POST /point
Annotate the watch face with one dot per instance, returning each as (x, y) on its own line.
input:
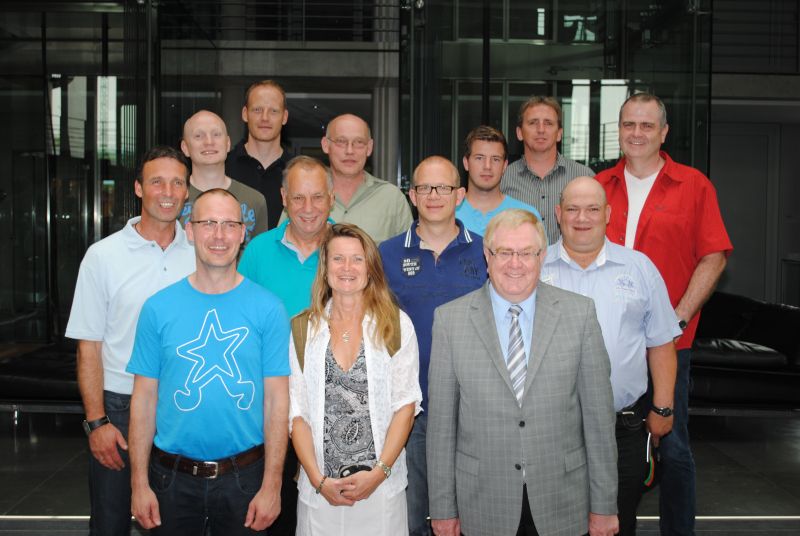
(87, 428)
(664, 412)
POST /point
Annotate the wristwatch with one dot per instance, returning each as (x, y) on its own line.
(682, 324)
(664, 412)
(91, 426)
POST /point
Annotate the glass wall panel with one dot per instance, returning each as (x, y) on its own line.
(73, 99)
(589, 54)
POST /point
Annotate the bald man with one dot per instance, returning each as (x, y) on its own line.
(377, 206)
(433, 262)
(638, 325)
(206, 143)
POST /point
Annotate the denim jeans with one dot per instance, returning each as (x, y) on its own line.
(195, 506)
(677, 493)
(110, 490)
(417, 493)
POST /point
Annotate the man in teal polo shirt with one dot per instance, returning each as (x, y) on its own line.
(284, 260)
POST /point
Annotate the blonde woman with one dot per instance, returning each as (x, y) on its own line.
(354, 397)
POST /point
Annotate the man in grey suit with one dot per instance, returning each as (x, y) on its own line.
(520, 394)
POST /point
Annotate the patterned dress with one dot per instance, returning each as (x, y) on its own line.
(348, 446)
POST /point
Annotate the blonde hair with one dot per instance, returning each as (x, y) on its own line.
(513, 218)
(379, 302)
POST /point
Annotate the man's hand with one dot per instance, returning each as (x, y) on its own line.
(364, 483)
(658, 426)
(263, 509)
(602, 525)
(103, 443)
(446, 527)
(144, 507)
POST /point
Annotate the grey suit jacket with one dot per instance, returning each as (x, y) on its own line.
(479, 439)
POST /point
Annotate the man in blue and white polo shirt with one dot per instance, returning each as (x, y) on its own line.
(434, 262)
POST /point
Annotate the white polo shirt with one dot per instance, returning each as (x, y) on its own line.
(116, 276)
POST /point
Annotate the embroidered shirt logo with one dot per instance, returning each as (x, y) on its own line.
(212, 357)
(625, 283)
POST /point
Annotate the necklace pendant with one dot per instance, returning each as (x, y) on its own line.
(346, 336)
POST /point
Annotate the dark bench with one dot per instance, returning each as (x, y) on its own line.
(43, 380)
(746, 357)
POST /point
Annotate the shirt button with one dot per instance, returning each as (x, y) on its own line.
(517, 466)
(165, 268)
(621, 238)
(260, 168)
(522, 424)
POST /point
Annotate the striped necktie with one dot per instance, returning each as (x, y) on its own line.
(516, 353)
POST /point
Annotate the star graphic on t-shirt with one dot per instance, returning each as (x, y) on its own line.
(212, 357)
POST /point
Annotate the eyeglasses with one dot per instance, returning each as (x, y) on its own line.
(441, 189)
(342, 143)
(228, 226)
(505, 255)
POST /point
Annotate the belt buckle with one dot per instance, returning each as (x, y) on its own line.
(213, 475)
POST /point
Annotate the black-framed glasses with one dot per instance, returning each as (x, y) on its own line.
(228, 226)
(441, 189)
(524, 255)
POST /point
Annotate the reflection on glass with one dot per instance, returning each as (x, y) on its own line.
(106, 113)
(54, 141)
(530, 20)
(76, 116)
(612, 94)
(575, 141)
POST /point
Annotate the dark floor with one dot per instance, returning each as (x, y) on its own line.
(748, 469)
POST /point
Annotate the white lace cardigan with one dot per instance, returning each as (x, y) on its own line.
(393, 382)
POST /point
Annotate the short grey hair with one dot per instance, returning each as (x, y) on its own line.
(646, 97)
(307, 163)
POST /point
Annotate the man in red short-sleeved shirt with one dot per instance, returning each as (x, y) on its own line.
(669, 212)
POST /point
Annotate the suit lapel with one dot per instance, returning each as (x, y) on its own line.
(482, 319)
(545, 321)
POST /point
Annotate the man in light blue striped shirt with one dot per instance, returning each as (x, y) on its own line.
(539, 176)
(638, 325)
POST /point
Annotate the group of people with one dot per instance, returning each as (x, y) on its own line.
(305, 357)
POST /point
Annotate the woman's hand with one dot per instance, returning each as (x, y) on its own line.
(336, 491)
(363, 483)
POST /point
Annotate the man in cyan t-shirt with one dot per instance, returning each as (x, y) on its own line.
(209, 414)
(485, 160)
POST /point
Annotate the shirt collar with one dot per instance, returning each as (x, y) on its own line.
(413, 239)
(499, 303)
(135, 241)
(607, 254)
(669, 171)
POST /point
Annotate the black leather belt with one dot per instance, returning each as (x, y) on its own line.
(204, 469)
(634, 409)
